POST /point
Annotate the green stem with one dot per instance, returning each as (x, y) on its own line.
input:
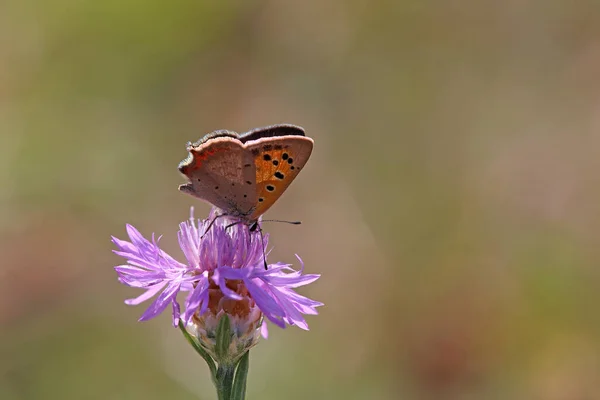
(241, 376)
(229, 379)
(225, 374)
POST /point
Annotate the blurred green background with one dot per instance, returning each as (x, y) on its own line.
(451, 203)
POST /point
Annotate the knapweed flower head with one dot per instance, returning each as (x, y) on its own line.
(223, 274)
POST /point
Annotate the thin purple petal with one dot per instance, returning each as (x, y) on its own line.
(176, 312)
(222, 283)
(264, 330)
(161, 302)
(197, 297)
(148, 294)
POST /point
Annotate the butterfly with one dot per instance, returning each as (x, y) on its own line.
(245, 174)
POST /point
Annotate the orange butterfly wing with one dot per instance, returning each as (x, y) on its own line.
(278, 161)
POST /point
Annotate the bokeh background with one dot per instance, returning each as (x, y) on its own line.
(451, 203)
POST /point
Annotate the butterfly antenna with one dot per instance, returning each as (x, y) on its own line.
(286, 222)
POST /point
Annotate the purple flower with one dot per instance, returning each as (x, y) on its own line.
(224, 274)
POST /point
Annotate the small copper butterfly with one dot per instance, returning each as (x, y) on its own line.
(245, 174)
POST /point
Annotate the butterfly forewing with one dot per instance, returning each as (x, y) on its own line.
(278, 161)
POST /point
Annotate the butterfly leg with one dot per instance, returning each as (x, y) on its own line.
(253, 228)
(211, 224)
(233, 224)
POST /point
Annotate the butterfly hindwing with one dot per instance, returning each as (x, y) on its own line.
(221, 172)
(278, 161)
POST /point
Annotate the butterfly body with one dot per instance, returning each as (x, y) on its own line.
(245, 174)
